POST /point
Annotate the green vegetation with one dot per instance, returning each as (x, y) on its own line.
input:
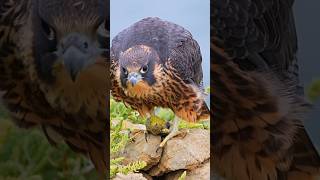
(119, 137)
(183, 176)
(120, 115)
(207, 90)
(314, 90)
(26, 154)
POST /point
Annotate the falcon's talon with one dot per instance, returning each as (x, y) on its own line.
(168, 125)
(159, 148)
(168, 137)
(146, 135)
(174, 130)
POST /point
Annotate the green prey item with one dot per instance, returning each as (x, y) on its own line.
(157, 126)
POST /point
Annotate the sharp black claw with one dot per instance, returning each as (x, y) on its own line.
(146, 136)
(159, 148)
(168, 125)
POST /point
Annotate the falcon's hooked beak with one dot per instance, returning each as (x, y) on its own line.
(134, 78)
(77, 53)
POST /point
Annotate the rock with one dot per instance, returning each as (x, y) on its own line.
(147, 176)
(131, 176)
(186, 152)
(140, 150)
(200, 173)
(175, 175)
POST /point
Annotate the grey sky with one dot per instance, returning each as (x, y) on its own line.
(194, 15)
(308, 28)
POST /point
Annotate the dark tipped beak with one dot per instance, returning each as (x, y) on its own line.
(78, 52)
(73, 61)
(134, 78)
(73, 75)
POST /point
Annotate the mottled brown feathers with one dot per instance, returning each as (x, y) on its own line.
(169, 91)
(76, 111)
(257, 102)
(175, 67)
(254, 126)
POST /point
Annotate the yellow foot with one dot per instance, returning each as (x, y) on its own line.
(168, 137)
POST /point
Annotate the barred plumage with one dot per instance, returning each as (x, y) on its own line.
(258, 104)
(156, 63)
(48, 77)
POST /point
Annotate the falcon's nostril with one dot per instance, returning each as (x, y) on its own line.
(86, 45)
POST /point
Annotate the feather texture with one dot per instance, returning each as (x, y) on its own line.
(75, 111)
(258, 105)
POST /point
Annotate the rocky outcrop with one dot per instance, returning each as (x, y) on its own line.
(140, 150)
(186, 152)
(189, 151)
(200, 173)
(132, 176)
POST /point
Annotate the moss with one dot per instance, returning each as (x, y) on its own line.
(119, 138)
(313, 90)
(183, 176)
(26, 154)
(120, 114)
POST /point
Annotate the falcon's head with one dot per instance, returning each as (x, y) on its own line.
(69, 36)
(139, 68)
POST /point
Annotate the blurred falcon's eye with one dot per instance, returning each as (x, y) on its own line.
(48, 30)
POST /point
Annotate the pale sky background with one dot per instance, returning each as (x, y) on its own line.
(194, 15)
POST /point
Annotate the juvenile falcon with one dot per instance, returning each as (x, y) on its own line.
(156, 63)
(53, 56)
(258, 105)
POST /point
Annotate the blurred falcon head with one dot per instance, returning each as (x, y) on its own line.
(69, 36)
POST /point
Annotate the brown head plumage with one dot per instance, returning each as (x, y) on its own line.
(70, 36)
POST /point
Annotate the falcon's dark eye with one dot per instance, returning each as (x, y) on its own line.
(124, 70)
(48, 30)
(144, 69)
